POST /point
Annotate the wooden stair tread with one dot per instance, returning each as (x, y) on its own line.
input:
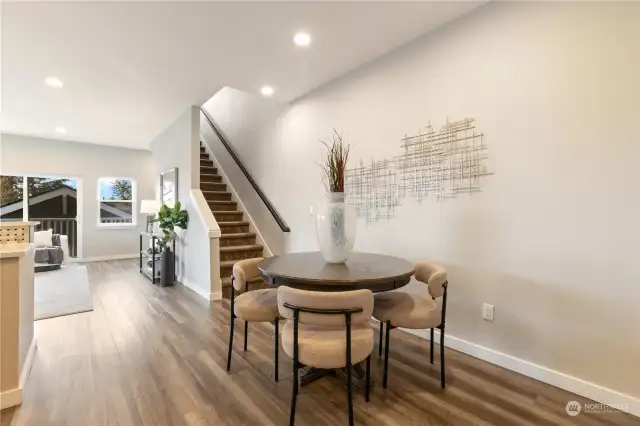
(232, 223)
(225, 212)
(227, 263)
(238, 235)
(251, 247)
(221, 202)
(218, 185)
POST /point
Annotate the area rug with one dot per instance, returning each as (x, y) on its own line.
(62, 292)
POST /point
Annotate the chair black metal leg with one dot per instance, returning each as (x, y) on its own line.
(380, 339)
(442, 357)
(386, 355)
(367, 384)
(294, 389)
(277, 348)
(230, 341)
(431, 347)
(349, 394)
(294, 395)
(349, 368)
(246, 334)
(231, 325)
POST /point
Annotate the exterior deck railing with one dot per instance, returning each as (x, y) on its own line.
(65, 226)
(62, 226)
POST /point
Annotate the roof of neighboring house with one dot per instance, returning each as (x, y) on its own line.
(56, 192)
(40, 191)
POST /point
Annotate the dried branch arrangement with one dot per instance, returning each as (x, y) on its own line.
(334, 162)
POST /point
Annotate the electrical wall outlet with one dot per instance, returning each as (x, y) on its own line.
(487, 312)
(311, 210)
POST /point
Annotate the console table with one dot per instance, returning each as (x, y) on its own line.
(153, 256)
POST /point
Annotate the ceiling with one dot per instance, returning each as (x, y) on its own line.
(130, 68)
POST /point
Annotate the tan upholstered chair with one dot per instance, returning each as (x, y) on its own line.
(256, 305)
(399, 309)
(327, 330)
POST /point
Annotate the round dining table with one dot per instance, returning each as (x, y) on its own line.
(309, 271)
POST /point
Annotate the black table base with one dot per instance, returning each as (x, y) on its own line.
(309, 375)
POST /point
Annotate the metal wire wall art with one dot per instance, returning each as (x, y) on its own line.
(441, 163)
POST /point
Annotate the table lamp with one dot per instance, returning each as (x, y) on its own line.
(150, 207)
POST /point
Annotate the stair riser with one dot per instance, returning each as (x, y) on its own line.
(211, 178)
(240, 255)
(217, 197)
(211, 186)
(226, 271)
(210, 170)
(234, 229)
(232, 207)
(244, 241)
(206, 163)
(228, 217)
(222, 196)
(204, 155)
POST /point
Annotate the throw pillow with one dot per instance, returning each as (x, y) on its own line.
(43, 238)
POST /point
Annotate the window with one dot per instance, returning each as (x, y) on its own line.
(11, 195)
(50, 201)
(116, 201)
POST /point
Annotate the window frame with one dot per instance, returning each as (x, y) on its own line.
(134, 206)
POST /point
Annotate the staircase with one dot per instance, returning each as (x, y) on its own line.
(237, 242)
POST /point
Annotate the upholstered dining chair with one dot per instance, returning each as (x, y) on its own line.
(399, 309)
(256, 305)
(327, 330)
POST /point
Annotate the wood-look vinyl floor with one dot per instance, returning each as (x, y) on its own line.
(156, 356)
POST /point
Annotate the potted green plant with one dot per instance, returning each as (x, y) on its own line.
(168, 219)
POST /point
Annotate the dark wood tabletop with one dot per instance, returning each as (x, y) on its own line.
(309, 271)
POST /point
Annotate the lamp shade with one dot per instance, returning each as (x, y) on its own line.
(150, 206)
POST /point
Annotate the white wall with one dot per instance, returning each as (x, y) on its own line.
(86, 163)
(179, 146)
(552, 240)
(257, 121)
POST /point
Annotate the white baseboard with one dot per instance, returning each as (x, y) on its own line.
(14, 397)
(28, 362)
(10, 398)
(563, 381)
(199, 291)
(217, 295)
(102, 258)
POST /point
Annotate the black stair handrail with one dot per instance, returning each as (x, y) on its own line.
(250, 178)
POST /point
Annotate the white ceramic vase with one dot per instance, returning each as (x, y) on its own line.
(336, 224)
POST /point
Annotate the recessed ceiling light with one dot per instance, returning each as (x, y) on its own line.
(302, 39)
(61, 129)
(266, 90)
(54, 82)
